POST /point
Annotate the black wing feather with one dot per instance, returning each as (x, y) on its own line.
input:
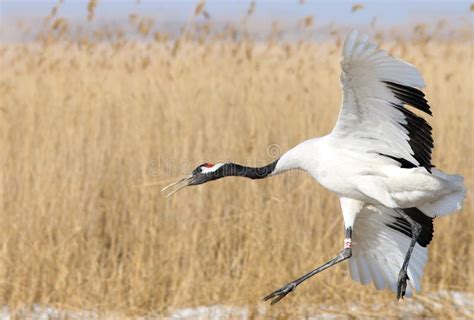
(419, 131)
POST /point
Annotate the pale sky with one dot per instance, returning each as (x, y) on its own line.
(389, 13)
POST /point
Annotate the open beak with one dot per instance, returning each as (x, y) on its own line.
(176, 186)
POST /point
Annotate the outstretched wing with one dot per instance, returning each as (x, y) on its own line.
(373, 116)
(379, 244)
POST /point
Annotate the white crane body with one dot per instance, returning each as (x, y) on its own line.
(369, 177)
(377, 160)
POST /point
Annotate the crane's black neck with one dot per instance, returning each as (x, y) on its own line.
(237, 170)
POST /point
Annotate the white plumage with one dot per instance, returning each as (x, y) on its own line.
(361, 161)
(367, 118)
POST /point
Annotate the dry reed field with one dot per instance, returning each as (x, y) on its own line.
(87, 128)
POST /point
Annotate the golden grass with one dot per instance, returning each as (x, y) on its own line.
(84, 127)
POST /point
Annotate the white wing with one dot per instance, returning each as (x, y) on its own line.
(373, 118)
(379, 246)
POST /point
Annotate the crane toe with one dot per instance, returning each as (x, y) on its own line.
(402, 284)
(279, 294)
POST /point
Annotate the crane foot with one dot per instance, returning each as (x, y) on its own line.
(402, 283)
(279, 294)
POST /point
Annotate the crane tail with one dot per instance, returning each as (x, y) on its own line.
(450, 202)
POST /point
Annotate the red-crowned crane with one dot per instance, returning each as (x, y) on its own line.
(377, 159)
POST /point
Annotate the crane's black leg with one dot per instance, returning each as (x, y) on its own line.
(403, 275)
(344, 254)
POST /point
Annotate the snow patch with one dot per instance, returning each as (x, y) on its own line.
(462, 302)
(210, 313)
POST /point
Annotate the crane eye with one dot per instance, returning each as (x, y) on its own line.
(201, 167)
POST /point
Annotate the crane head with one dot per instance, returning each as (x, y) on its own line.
(203, 173)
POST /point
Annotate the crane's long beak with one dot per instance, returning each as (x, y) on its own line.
(176, 186)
